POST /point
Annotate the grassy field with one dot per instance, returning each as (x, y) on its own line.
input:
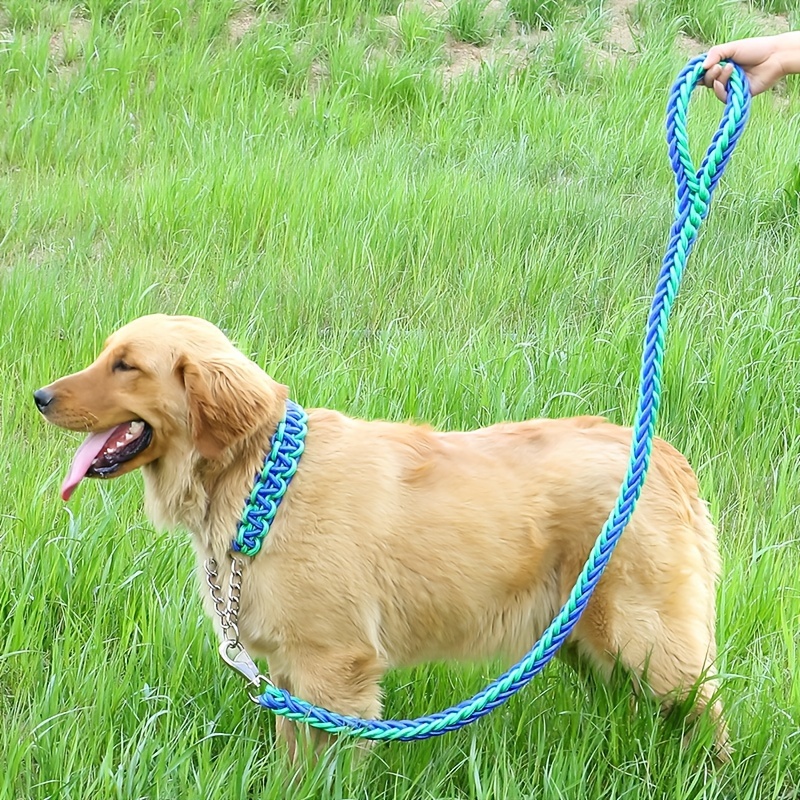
(452, 213)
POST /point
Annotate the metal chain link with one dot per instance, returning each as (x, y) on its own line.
(231, 650)
(228, 613)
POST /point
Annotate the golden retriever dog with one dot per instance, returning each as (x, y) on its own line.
(397, 544)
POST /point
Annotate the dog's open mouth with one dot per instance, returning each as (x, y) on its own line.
(102, 454)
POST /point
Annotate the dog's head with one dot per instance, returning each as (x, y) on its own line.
(160, 384)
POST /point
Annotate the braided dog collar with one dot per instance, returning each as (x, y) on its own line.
(286, 447)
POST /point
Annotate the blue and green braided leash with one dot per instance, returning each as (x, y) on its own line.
(692, 200)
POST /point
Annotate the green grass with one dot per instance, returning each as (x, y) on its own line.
(711, 20)
(392, 246)
(467, 23)
(538, 13)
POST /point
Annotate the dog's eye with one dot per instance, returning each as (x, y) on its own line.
(123, 366)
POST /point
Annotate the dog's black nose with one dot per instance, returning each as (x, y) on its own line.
(43, 398)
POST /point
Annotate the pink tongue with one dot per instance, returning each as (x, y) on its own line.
(87, 452)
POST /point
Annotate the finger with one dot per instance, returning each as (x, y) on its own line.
(713, 57)
(716, 54)
(720, 91)
(712, 75)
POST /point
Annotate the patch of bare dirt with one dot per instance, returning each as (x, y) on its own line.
(318, 74)
(690, 46)
(77, 31)
(620, 35)
(39, 254)
(436, 8)
(495, 9)
(241, 23)
(527, 41)
(771, 23)
(389, 21)
(467, 59)
(463, 58)
(68, 47)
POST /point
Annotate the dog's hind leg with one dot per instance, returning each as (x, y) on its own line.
(672, 655)
(675, 678)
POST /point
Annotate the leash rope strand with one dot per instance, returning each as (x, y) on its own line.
(692, 201)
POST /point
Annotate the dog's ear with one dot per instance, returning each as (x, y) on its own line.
(228, 397)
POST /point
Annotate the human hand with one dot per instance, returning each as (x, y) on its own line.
(765, 60)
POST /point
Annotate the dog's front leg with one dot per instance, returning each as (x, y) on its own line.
(344, 681)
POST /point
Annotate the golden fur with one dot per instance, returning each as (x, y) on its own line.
(397, 544)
